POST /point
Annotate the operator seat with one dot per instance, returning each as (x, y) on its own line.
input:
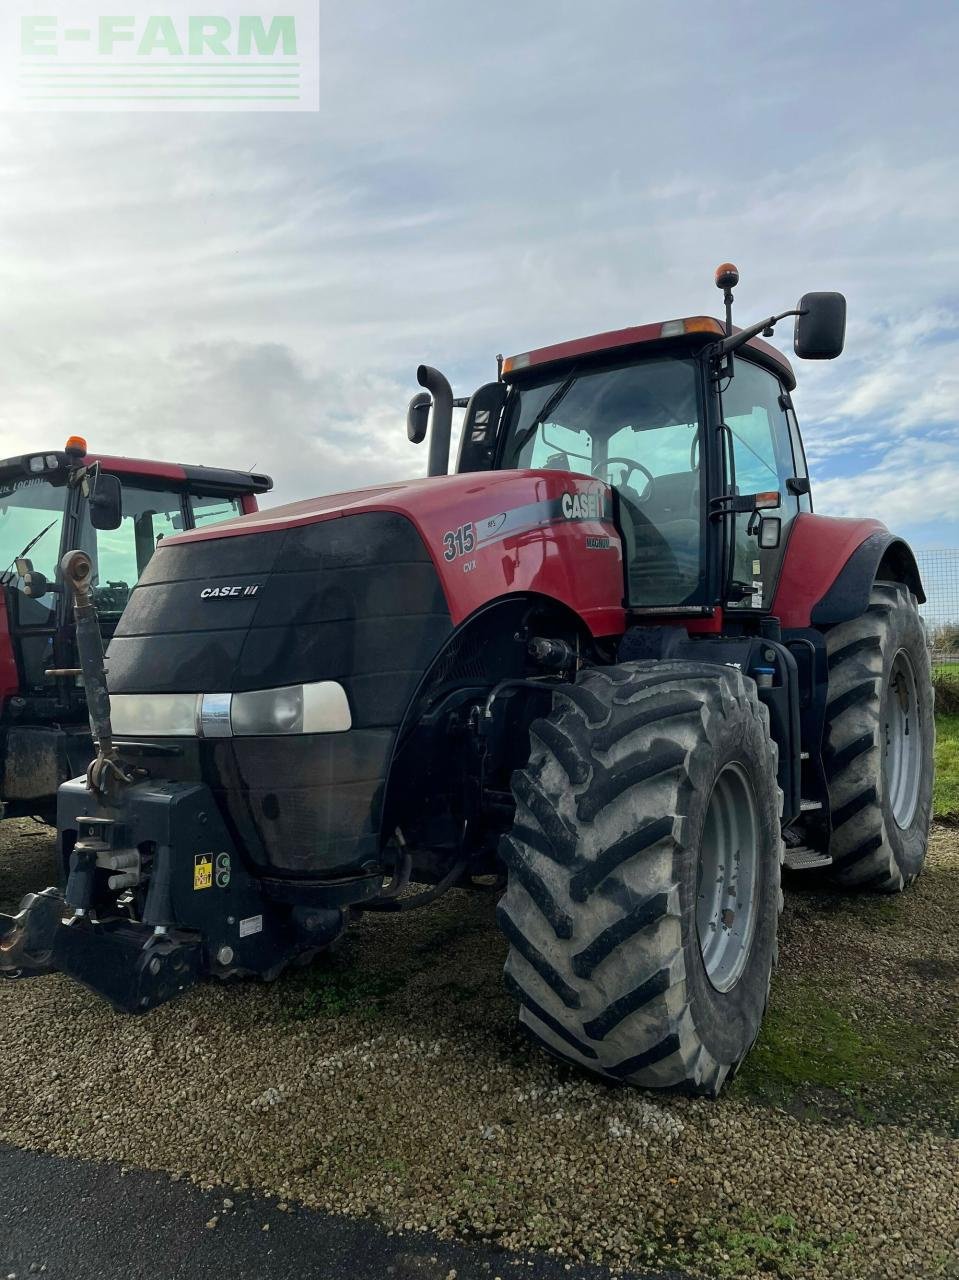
(662, 534)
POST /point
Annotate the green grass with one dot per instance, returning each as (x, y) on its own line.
(945, 794)
(775, 1245)
(823, 1054)
(333, 991)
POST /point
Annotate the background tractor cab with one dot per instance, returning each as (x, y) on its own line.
(117, 510)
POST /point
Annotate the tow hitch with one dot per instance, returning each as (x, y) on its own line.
(127, 963)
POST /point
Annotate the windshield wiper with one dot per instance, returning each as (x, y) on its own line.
(28, 548)
(548, 406)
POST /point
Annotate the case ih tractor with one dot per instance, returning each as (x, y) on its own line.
(117, 509)
(615, 663)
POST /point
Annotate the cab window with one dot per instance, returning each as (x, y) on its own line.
(208, 509)
(636, 427)
(120, 555)
(759, 459)
(31, 520)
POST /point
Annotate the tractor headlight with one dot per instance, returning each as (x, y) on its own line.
(321, 707)
(267, 711)
(154, 715)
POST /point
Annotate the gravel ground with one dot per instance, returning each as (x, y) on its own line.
(392, 1081)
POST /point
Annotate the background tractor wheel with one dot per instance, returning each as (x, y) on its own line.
(879, 738)
(643, 891)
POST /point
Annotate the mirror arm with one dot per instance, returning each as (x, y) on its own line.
(737, 340)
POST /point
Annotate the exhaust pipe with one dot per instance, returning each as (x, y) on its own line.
(441, 429)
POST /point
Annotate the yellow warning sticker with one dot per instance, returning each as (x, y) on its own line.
(203, 871)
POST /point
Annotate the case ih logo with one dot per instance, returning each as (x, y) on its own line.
(229, 593)
(582, 506)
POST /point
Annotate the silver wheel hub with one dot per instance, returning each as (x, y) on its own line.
(902, 761)
(727, 879)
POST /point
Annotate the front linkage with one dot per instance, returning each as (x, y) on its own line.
(187, 904)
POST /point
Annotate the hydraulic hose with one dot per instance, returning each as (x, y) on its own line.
(455, 873)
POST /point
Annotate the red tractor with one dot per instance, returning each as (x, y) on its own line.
(117, 509)
(614, 665)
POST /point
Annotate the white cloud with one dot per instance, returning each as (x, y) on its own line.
(916, 482)
(231, 290)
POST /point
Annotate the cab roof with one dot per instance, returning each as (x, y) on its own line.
(49, 463)
(701, 329)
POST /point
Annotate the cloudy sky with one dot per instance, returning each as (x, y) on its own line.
(256, 290)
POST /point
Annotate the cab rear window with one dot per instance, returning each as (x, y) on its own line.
(209, 509)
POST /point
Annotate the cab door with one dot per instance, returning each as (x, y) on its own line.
(758, 458)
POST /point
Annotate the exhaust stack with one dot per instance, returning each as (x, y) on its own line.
(442, 425)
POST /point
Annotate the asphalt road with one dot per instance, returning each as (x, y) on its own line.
(80, 1220)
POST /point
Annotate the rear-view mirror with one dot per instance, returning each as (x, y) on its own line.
(418, 417)
(820, 326)
(106, 502)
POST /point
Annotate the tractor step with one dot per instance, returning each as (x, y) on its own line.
(809, 806)
(799, 858)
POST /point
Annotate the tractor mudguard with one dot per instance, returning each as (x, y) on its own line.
(848, 597)
(829, 566)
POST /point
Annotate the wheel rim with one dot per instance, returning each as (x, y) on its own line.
(902, 754)
(727, 879)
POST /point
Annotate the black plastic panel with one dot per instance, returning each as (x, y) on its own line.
(354, 599)
(213, 557)
(178, 663)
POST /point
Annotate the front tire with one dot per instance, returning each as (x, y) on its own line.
(879, 740)
(643, 892)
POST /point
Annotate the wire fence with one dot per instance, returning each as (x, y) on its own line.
(940, 578)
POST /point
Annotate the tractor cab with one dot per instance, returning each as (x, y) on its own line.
(117, 510)
(638, 424)
(699, 446)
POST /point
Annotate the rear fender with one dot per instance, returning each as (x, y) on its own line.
(830, 565)
(882, 556)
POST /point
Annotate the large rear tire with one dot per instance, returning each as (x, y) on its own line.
(643, 893)
(879, 740)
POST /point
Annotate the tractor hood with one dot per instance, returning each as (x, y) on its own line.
(360, 591)
(405, 496)
(488, 534)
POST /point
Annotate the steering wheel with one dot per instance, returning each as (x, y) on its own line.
(630, 466)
